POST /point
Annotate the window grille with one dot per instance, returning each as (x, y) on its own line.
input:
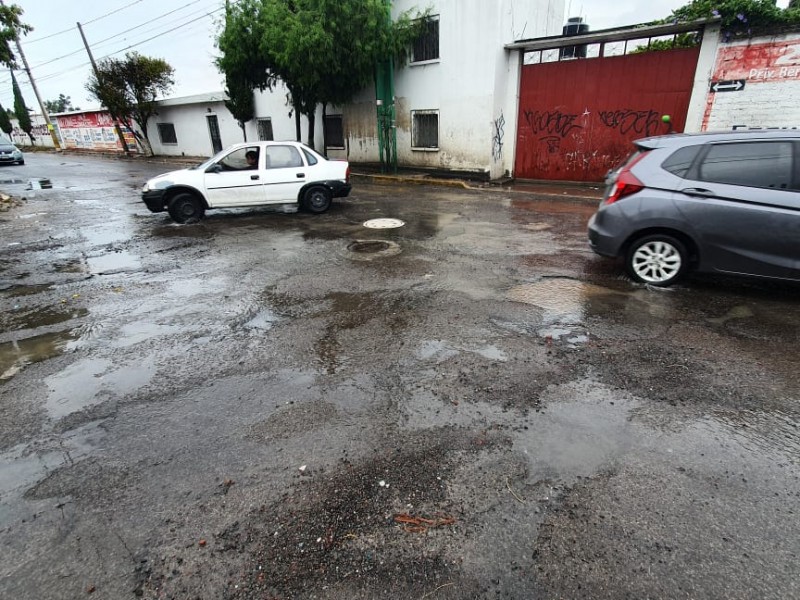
(426, 46)
(425, 129)
(334, 131)
(166, 133)
(264, 127)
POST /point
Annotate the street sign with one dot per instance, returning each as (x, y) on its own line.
(734, 85)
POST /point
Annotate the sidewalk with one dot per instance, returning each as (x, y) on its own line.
(566, 190)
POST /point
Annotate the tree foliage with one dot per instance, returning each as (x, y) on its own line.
(739, 17)
(5, 122)
(61, 104)
(324, 51)
(240, 102)
(11, 27)
(128, 88)
(22, 112)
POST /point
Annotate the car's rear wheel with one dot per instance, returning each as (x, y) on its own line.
(657, 259)
(186, 208)
(317, 200)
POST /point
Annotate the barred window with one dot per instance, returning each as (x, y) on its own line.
(426, 46)
(334, 131)
(264, 127)
(425, 129)
(166, 133)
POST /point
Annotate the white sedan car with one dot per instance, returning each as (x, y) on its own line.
(250, 174)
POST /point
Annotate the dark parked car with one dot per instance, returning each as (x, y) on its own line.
(713, 202)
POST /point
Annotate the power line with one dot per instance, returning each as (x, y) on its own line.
(87, 22)
(81, 50)
(163, 33)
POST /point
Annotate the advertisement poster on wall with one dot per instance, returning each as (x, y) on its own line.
(93, 131)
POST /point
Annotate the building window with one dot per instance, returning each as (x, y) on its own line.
(426, 46)
(166, 133)
(334, 131)
(425, 129)
(264, 130)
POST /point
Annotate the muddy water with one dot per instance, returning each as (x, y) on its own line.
(252, 379)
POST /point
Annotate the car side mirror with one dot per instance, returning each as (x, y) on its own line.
(215, 168)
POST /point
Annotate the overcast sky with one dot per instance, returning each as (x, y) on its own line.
(183, 33)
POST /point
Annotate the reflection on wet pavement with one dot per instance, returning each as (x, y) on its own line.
(16, 354)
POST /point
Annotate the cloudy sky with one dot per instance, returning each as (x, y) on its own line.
(182, 32)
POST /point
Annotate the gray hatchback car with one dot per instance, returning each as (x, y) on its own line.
(713, 202)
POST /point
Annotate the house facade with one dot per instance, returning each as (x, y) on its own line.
(455, 101)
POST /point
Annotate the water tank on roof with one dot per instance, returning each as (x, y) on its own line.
(574, 26)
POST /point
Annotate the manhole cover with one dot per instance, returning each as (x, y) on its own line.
(369, 246)
(383, 223)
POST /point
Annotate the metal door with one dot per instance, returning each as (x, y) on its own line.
(577, 118)
(213, 130)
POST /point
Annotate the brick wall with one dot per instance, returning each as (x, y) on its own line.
(758, 84)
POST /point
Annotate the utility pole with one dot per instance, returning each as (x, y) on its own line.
(46, 116)
(97, 74)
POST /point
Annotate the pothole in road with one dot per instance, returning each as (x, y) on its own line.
(369, 249)
(560, 297)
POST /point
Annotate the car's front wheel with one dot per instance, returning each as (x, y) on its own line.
(657, 259)
(186, 208)
(317, 200)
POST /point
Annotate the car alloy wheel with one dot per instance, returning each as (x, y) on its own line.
(658, 260)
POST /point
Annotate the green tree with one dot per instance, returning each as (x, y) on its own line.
(22, 112)
(324, 51)
(128, 89)
(11, 27)
(5, 122)
(738, 17)
(62, 104)
(240, 103)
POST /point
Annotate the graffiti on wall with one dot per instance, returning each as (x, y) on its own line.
(642, 122)
(497, 139)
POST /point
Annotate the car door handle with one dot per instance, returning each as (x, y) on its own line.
(699, 192)
(301, 175)
(254, 177)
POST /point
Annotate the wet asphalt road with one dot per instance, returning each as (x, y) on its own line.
(293, 406)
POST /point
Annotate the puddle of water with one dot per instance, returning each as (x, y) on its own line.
(262, 321)
(15, 355)
(100, 236)
(113, 262)
(561, 298)
(15, 291)
(762, 432)
(737, 312)
(440, 351)
(90, 381)
(70, 266)
(39, 317)
(134, 333)
(20, 468)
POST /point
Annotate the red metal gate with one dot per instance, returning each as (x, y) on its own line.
(578, 117)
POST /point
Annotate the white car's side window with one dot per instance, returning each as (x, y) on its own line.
(282, 157)
(242, 159)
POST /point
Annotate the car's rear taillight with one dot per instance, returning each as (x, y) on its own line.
(347, 175)
(626, 183)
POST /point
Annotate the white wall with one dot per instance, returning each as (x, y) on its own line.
(191, 128)
(473, 85)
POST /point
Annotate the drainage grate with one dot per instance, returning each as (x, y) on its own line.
(383, 223)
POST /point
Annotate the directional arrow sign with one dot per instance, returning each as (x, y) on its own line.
(734, 85)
